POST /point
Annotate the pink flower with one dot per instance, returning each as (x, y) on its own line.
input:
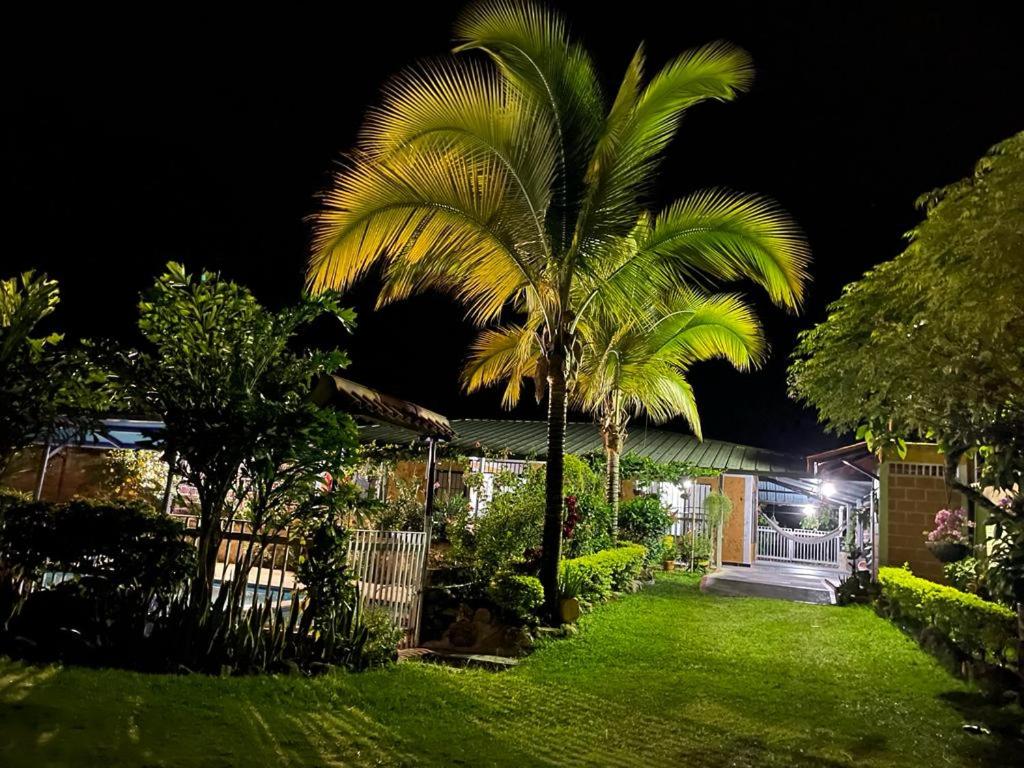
(949, 526)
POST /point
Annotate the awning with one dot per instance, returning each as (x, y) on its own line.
(367, 404)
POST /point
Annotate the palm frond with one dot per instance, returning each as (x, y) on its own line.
(717, 236)
(635, 138)
(508, 354)
(435, 219)
(695, 328)
(665, 397)
(466, 107)
(530, 44)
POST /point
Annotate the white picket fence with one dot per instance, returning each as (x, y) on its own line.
(388, 567)
(797, 545)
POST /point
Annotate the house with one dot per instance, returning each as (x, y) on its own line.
(770, 490)
(911, 490)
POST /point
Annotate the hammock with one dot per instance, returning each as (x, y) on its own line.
(804, 538)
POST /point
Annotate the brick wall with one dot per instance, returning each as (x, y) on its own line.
(914, 492)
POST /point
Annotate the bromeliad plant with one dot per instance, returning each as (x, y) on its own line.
(508, 180)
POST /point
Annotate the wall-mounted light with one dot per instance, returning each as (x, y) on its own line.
(828, 489)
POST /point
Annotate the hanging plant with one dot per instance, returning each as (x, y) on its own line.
(717, 508)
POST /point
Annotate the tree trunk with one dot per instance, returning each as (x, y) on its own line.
(210, 537)
(613, 450)
(554, 503)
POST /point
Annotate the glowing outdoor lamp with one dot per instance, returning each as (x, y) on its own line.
(828, 489)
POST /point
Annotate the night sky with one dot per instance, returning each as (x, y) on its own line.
(125, 143)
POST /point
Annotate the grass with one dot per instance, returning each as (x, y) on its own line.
(668, 676)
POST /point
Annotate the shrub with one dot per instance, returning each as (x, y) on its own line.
(519, 597)
(513, 522)
(980, 629)
(121, 566)
(513, 525)
(596, 576)
(592, 530)
(668, 549)
(696, 548)
(968, 575)
(382, 638)
(644, 520)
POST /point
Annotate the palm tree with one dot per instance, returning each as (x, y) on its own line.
(628, 364)
(506, 180)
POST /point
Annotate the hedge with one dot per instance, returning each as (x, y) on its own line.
(982, 630)
(604, 572)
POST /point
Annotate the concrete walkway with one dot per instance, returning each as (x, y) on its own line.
(803, 584)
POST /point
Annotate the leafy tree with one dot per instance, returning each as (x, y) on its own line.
(224, 375)
(929, 344)
(44, 387)
(509, 182)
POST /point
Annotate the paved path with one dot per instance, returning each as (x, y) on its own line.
(784, 582)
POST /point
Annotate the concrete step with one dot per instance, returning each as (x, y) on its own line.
(776, 583)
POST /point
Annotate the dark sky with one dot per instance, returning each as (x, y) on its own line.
(128, 142)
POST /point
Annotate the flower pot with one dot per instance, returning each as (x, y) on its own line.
(570, 609)
(669, 565)
(948, 551)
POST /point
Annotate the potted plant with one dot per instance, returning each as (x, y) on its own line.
(572, 585)
(948, 541)
(668, 553)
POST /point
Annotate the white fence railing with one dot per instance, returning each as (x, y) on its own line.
(796, 545)
(388, 567)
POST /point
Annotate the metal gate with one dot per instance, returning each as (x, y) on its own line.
(799, 546)
(388, 567)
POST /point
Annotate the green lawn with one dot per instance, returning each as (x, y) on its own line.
(665, 677)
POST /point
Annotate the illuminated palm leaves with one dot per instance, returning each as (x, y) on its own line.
(502, 177)
(505, 180)
(640, 365)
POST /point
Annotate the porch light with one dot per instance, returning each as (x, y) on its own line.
(828, 489)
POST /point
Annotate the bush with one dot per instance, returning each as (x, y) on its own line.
(668, 549)
(644, 520)
(380, 647)
(120, 568)
(512, 527)
(981, 630)
(969, 575)
(591, 530)
(518, 597)
(594, 577)
(696, 548)
(512, 524)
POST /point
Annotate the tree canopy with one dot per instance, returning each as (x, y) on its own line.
(931, 344)
(44, 385)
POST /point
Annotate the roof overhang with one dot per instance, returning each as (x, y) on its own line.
(368, 404)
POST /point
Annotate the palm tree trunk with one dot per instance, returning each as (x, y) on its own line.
(613, 449)
(553, 501)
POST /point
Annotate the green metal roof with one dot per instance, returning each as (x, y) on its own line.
(528, 440)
